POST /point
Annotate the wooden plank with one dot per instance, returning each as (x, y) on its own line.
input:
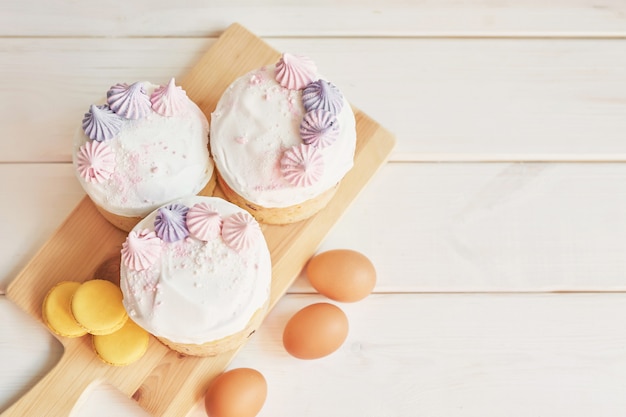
(315, 18)
(492, 227)
(41, 199)
(487, 99)
(449, 355)
(456, 227)
(445, 99)
(164, 382)
(455, 356)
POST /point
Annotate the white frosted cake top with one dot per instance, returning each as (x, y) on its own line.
(258, 122)
(141, 160)
(195, 272)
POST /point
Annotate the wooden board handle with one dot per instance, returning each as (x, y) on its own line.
(56, 393)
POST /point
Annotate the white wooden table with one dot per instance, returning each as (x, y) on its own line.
(498, 228)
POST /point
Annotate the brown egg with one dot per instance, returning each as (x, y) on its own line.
(315, 331)
(342, 275)
(239, 392)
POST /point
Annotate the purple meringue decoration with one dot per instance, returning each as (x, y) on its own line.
(170, 223)
(101, 124)
(319, 128)
(129, 101)
(323, 95)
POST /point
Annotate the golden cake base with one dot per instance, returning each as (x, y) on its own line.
(223, 345)
(278, 215)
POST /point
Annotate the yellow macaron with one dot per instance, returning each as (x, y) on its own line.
(56, 310)
(97, 307)
(122, 347)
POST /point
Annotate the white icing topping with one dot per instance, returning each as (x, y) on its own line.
(255, 121)
(157, 159)
(198, 291)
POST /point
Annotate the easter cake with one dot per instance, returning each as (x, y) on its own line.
(282, 138)
(196, 274)
(146, 146)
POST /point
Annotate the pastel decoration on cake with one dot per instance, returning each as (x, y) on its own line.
(323, 95)
(95, 162)
(170, 223)
(241, 232)
(169, 99)
(141, 249)
(204, 293)
(282, 139)
(147, 145)
(101, 123)
(295, 72)
(129, 101)
(204, 222)
(302, 165)
(319, 128)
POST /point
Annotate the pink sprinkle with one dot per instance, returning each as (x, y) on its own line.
(154, 169)
(241, 140)
(295, 112)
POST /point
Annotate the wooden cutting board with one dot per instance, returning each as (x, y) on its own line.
(164, 382)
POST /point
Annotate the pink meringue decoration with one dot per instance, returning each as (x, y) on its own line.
(129, 101)
(168, 100)
(101, 124)
(319, 128)
(295, 71)
(204, 222)
(322, 94)
(241, 231)
(95, 162)
(170, 223)
(302, 165)
(141, 250)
